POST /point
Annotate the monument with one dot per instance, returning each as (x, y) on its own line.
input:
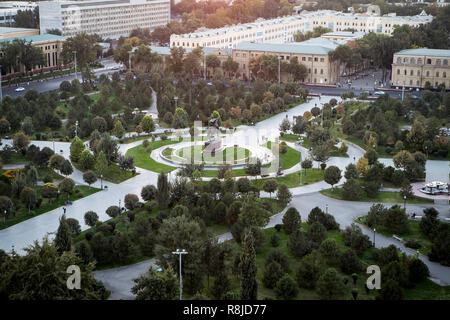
(214, 144)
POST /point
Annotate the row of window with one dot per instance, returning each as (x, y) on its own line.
(419, 61)
(427, 74)
(411, 83)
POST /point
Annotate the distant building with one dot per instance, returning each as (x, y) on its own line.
(9, 9)
(282, 29)
(51, 46)
(107, 18)
(6, 32)
(343, 35)
(413, 68)
(312, 53)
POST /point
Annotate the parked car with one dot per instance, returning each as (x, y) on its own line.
(19, 89)
(378, 93)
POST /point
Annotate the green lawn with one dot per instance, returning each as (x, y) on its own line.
(382, 196)
(289, 137)
(292, 180)
(414, 233)
(334, 150)
(112, 174)
(288, 159)
(240, 155)
(142, 158)
(22, 214)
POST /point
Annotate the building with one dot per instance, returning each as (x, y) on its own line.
(344, 36)
(413, 68)
(283, 29)
(312, 53)
(106, 18)
(8, 33)
(8, 10)
(51, 46)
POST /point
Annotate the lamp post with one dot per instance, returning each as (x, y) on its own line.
(129, 60)
(101, 182)
(326, 208)
(180, 253)
(404, 204)
(176, 101)
(322, 115)
(374, 230)
(76, 128)
(120, 207)
(4, 217)
(75, 53)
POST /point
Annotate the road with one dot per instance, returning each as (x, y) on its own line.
(120, 280)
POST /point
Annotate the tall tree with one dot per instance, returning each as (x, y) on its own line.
(163, 187)
(63, 239)
(249, 285)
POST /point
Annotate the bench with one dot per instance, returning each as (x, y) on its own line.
(397, 238)
(417, 217)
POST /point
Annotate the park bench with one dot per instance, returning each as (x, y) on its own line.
(397, 238)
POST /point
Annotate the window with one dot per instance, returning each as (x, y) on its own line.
(417, 83)
(437, 73)
(405, 72)
(322, 59)
(444, 74)
(419, 61)
(410, 82)
(315, 59)
(398, 71)
(309, 59)
(315, 71)
(405, 60)
(428, 73)
(413, 60)
(445, 62)
(428, 61)
(438, 62)
(418, 72)
(412, 72)
(399, 60)
(321, 71)
(303, 58)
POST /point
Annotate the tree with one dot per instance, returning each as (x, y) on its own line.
(317, 233)
(283, 194)
(101, 163)
(113, 211)
(87, 160)
(396, 220)
(330, 251)
(330, 285)
(248, 269)
(66, 186)
(429, 223)
(56, 161)
(130, 201)
(291, 220)
(28, 197)
(118, 130)
(418, 271)
(155, 285)
(285, 125)
(149, 193)
(90, 218)
(147, 124)
(63, 238)
(299, 244)
(221, 284)
(89, 177)
(332, 175)
(123, 248)
(109, 148)
(40, 273)
(321, 153)
(49, 191)
(272, 273)
(21, 142)
(76, 148)
(351, 190)
(350, 262)
(86, 50)
(163, 188)
(310, 269)
(286, 288)
(74, 227)
(362, 166)
(66, 168)
(390, 291)
(351, 172)
(402, 159)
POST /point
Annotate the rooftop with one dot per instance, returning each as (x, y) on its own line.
(425, 52)
(6, 30)
(317, 46)
(36, 39)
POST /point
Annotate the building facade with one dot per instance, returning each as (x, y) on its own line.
(283, 29)
(107, 18)
(8, 10)
(312, 54)
(8, 33)
(413, 68)
(51, 46)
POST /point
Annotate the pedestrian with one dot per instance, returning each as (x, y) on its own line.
(64, 209)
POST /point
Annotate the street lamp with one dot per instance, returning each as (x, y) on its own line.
(326, 208)
(404, 204)
(1, 93)
(374, 230)
(101, 182)
(180, 253)
(120, 207)
(204, 67)
(176, 101)
(5, 213)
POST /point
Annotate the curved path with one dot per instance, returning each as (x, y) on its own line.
(25, 233)
(120, 280)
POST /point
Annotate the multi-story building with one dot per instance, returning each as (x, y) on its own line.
(312, 53)
(283, 29)
(106, 18)
(413, 68)
(8, 10)
(51, 46)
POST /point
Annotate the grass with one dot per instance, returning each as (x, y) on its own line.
(414, 233)
(288, 159)
(289, 137)
(22, 214)
(49, 172)
(334, 150)
(292, 180)
(197, 151)
(112, 174)
(142, 157)
(382, 196)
